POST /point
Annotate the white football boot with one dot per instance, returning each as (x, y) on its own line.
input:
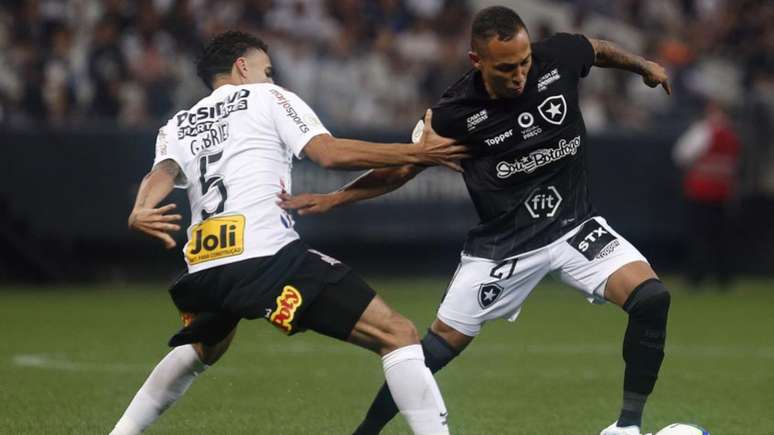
(626, 430)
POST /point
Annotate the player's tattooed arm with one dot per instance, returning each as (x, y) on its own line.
(146, 217)
(373, 183)
(610, 55)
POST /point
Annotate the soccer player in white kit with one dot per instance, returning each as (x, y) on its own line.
(233, 152)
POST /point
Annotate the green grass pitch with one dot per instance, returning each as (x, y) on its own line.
(71, 359)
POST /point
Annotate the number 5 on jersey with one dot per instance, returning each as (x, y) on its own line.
(207, 183)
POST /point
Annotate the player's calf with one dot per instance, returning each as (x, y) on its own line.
(411, 383)
(643, 346)
(168, 381)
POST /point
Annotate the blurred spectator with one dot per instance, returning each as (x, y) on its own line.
(708, 154)
(362, 63)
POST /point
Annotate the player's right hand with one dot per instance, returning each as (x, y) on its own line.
(439, 150)
(155, 222)
(306, 203)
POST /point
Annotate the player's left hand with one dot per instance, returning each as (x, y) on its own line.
(306, 203)
(155, 222)
(655, 75)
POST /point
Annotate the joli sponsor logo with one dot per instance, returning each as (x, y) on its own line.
(215, 238)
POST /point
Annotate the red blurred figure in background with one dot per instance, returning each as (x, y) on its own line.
(708, 153)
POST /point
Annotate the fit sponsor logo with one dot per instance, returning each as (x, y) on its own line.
(477, 119)
(488, 294)
(553, 109)
(287, 304)
(538, 158)
(543, 202)
(500, 138)
(290, 111)
(547, 79)
(216, 237)
(594, 240)
(196, 122)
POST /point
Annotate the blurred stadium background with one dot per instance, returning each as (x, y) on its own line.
(85, 84)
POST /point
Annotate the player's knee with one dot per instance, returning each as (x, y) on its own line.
(649, 301)
(400, 332)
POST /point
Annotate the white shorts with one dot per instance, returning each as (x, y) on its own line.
(484, 289)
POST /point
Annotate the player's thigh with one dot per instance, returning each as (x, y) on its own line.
(382, 329)
(220, 334)
(595, 258)
(484, 290)
(350, 310)
(625, 279)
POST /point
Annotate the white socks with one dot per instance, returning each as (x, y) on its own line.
(412, 386)
(414, 390)
(166, 383)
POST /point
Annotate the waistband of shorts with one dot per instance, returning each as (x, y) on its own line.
(560, 239)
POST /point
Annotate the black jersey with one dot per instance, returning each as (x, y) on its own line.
(527, 177)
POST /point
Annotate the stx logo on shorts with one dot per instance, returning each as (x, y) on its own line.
(287, 304)
(594, 241)
(488, 294)
(216, 237)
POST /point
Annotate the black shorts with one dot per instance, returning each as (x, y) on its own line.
(295, 289)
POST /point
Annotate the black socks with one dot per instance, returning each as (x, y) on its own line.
(643, 347)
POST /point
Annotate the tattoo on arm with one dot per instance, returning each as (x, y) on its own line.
(169, 167)
(609, 55)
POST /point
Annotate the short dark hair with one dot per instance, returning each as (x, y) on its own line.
(220, 53)
(498, 21)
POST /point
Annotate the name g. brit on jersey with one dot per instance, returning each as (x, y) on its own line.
(538, 158)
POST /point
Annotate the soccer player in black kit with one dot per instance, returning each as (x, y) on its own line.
(518, 110)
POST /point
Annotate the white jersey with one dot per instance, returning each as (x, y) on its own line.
(235, 148)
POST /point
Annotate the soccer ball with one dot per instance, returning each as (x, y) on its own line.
(683, 429)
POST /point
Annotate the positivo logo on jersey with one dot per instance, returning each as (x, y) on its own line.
(543, 202)
(594, 241)
(538, 158)
(287, 304)
(214, 238)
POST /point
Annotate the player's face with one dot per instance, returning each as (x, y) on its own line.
(504, 65)
(255, 67)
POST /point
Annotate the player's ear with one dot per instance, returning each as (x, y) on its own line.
(241, 66)
(475, 59)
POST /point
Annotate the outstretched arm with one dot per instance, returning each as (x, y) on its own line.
(148, 219)
(610, 55)
(371, 184)
(430, 150)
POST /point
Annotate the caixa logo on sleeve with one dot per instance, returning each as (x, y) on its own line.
(543, 202)
(594, 240)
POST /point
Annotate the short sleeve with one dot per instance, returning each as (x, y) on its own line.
(296, 122)
(167, 148)
(573, 50)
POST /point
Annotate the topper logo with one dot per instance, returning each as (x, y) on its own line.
(287, 304)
